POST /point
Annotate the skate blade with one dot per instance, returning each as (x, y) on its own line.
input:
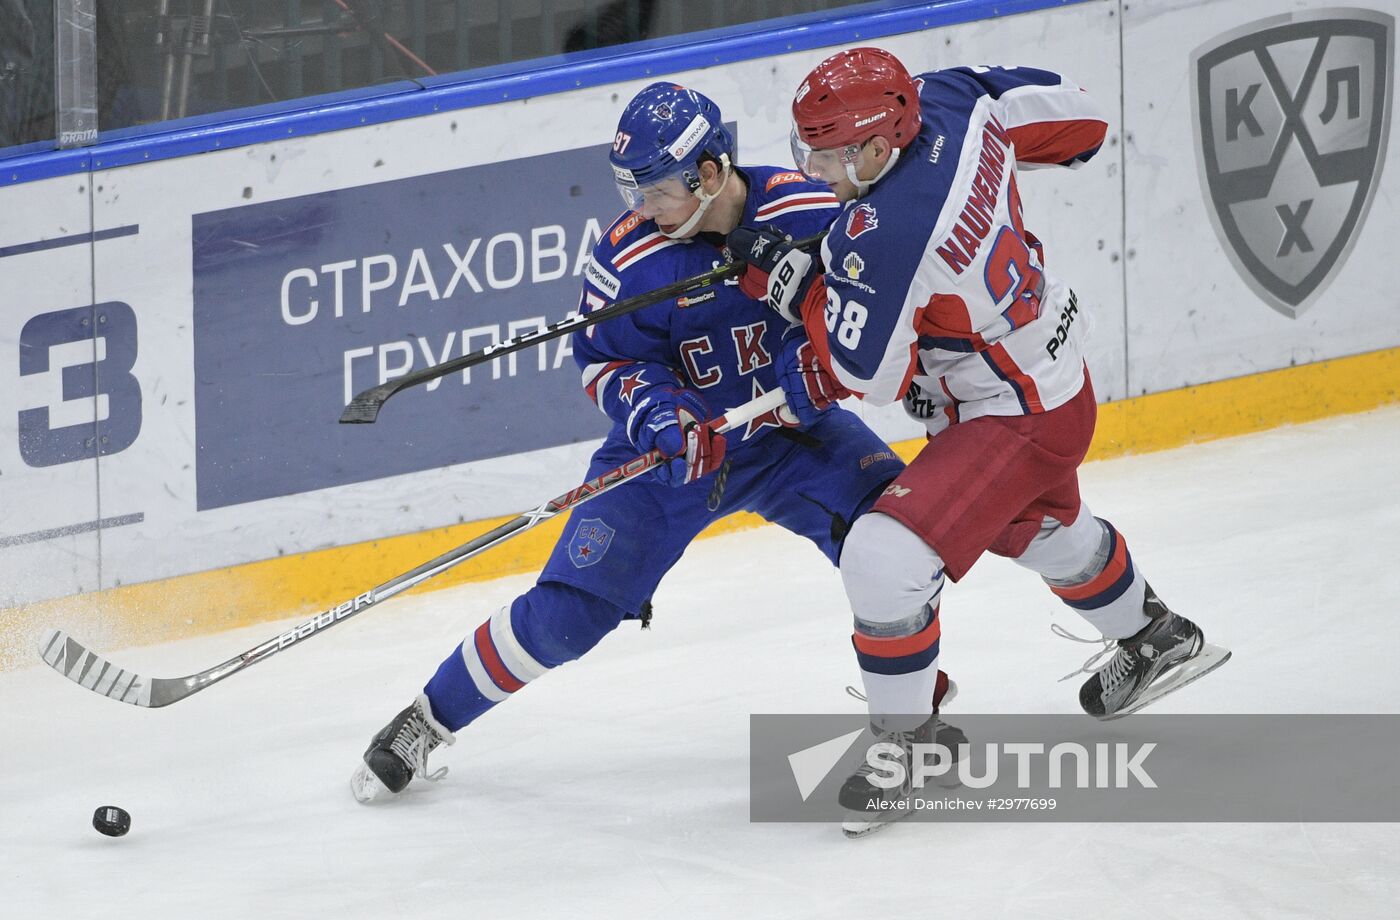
(1193, 669)
(854, 829)
(366, 787)
(863, 824)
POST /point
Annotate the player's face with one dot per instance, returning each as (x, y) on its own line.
(669, 202)
(831, 165)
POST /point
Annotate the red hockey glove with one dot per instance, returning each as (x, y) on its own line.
(673, 421)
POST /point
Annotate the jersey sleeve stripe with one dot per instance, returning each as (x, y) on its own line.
(647, 245)
(890, 369)
(791, 203)
(948, 343)
(950, 411)
(1026, 105)
(1057, 142)
(914, 368)
(814, 321)
(1052, 124)
(890, 379)
(596, 377)
(1005, 367)
(795, 209)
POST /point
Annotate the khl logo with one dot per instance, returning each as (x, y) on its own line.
(1292, 117)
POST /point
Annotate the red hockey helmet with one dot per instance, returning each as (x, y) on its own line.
(853, 96)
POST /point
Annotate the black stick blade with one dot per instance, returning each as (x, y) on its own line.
(364, 408)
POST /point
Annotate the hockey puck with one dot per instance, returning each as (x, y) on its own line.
(111, 820)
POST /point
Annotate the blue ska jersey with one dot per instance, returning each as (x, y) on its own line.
(714, 341)
(936, 292)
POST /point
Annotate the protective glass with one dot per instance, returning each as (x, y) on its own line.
(657, 198)
(827, 165)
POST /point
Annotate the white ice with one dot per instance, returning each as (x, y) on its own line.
(618, 786)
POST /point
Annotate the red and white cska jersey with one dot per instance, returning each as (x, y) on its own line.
(935, 292)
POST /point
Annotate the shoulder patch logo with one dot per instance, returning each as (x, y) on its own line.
(781, 179)
(590, 542)
(1292, 117)
(853, 265)
(624, 227)
(862, 220)
(629, 384)
(602, 279)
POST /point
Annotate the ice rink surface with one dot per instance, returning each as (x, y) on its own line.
(618, 786)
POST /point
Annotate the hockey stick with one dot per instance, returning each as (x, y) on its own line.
(364, 407)
(86, 668)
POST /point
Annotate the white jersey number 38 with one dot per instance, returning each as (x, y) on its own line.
(845, 322)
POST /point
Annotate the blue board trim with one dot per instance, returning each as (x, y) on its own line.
(525, 79)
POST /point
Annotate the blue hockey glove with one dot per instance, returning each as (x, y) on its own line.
(673, 421)
(810, 389)
(778, 273)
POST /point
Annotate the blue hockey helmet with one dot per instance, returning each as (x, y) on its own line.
(663, 134)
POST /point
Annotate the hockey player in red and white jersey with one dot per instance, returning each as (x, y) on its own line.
(935, 293)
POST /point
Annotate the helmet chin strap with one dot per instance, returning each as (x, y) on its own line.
(863, 185)
(685, 229)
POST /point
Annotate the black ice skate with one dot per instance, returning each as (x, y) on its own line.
(872, 807)
(400, 752)
(1165, 655)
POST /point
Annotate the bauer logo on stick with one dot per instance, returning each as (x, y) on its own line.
(1292, 118)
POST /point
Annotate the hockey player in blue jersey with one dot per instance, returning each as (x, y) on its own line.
(657, 373)
(935, 293)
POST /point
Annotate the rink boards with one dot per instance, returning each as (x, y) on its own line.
(183, 330)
